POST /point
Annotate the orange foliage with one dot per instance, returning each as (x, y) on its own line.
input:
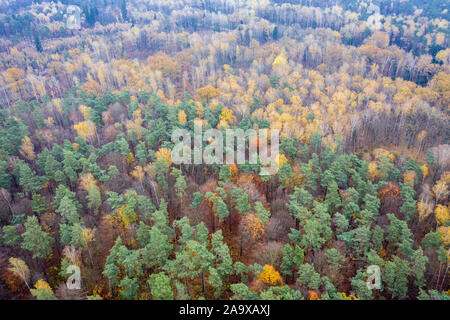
(167, 66)
(138, 173)
(253, 226)
(208, 92)
(15, 283)
(91, 86)
(270, 276)
(409, 176)
(234, 172)
(388, 190)
(313, 295)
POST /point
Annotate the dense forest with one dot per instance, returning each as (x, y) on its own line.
(87, 178)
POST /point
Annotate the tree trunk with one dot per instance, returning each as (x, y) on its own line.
(187, 287)
(9, 205)
(443, 280)
(203, 285)
(213, 221)
(240, 247)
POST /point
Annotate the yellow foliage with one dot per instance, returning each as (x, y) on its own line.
(49, 122)
(85, 111)
(91, 86)
(72, 255)
(97, 291)
(85, 129)
(167, 66)
(165, 154)
(441, 85)
(442, 214)
(19, 268)
(160, 93)
(227, 69)
(130, 158)
(313, 295)
(373, 173)
(350, 297)
(138, 173)
(222, 124)
(27, 149)
(57, 103)
(445, 177)
(227, 115)
(208, 92)
(136, 125)
(234, 170)
(409, 176)
(279, 62)
(382, 152)
(270, 276)
(88, 235)
(182, 117)
(87, 181)
(281, 159)
(253, 226)
(422, 134)
(445, 235)
(42, 284)
(137, 113)
(425, 170)
(424, 209)
(14, 74)
(199, 108)
(45, 185)
(126, 217)
(443, 55)
(440, 190)
(440, 38)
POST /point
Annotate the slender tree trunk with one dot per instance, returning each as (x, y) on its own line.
(439, 275)
(90, 255)
(41, 263)
(187, 287)
(213, 221)
(180, 206)
(445, 275)
(150, 290)
(203, 285)
(240, 247)
(9, 204)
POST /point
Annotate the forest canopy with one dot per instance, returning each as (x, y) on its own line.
(88, 183)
